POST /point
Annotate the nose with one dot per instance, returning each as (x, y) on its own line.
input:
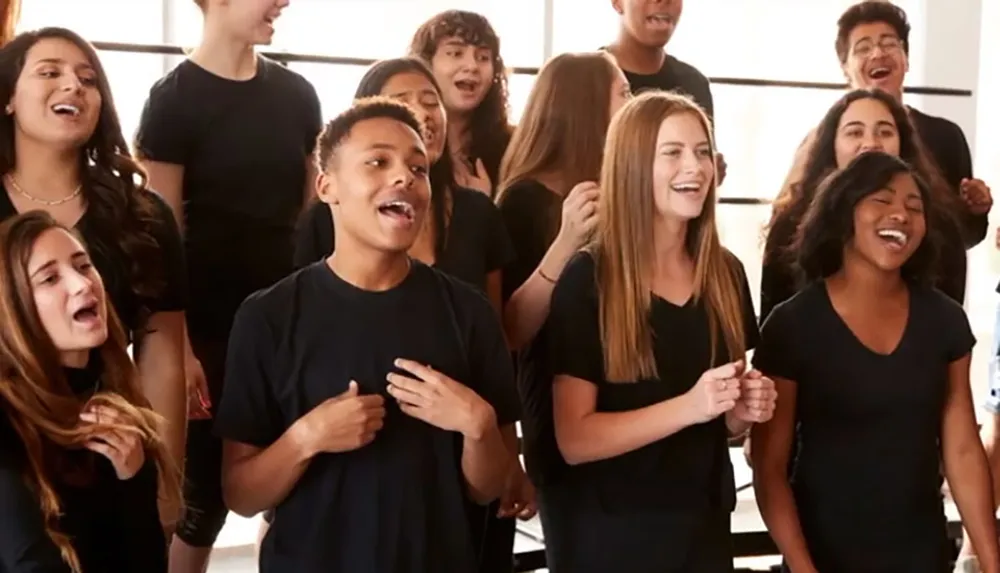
(402, 176)
(78, 283)
(871, 143)
(469, 61)
(72, 83)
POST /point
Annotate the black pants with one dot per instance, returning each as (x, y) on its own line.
(205, 511)
(582, 537)
(493, 538)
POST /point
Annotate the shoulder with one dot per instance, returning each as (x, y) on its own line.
(802, 303)
(578, 278)
(733, 262)
(927, 125)
(280, 74)
(170, 89)
(684, 70)
(158, 205)
(272, 304)
(525, 191)
(934, 301)
(459, 293)
(472, 200)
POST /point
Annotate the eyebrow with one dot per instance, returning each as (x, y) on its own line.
(60, 61)
(859, 122)
(880, 37)
(680, 144)
(420, 92)
(390, 147)
(52, 262)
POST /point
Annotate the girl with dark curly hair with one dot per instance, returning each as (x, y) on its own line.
(871, 364)
(463, 51)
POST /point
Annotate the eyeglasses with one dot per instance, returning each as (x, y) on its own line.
(888, 44)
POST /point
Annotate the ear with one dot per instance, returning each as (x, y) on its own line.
(617, 5)
(326, 189)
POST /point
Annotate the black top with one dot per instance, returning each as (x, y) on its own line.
(114, 525)
(477, 241)
(866, 475)
(676, 76)
(532, 214)
(244, 147)
(398, 504)
(689, 470)
(103, 242)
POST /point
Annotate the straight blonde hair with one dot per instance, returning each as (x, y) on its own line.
(623, 246)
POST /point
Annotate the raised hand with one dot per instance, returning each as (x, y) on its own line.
(345, 422)
(716, 391)
(124, 449)
(438, 400)
(757, 398)
(976, 195)
(579, 214)
(472, 176)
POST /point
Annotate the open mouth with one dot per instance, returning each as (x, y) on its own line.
(660, 20)
(66, 109)
(87, 314)
(879, 73)
(399, 211)
(895, 239)
(467, 86)
(689, 187)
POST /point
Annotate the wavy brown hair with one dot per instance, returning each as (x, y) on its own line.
(490, 125)
(113, 181)
(623, 249)
(36, 397)
(10, 13)
(564, 124)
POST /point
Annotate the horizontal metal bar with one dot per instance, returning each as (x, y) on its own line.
(293, 58)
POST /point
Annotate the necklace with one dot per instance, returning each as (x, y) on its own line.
(48, 203)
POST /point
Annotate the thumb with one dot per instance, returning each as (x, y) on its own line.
(726, 371)
(480, 168)
(351, 392)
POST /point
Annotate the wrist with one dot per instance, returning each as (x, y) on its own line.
(736, 427)
(302, 436)
(480, 421)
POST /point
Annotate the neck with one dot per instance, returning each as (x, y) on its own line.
(459, 133)
(669, 250)
(368, 269)
(224, 55)
(635, 57)
(867, 283)
(75, 359)
(43, 172)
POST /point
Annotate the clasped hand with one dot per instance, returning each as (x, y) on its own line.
(748, 396)
(123, 448)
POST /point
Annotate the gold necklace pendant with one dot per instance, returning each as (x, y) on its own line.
(47, 202)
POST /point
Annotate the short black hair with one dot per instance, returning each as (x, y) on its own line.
(829, 222)
(339, 128)
(868, 12)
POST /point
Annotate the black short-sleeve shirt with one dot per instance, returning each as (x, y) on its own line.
(113, 525)
(398, 504)
(244, 146)
(676, 76)
(477, 242)
(689, 470)
(866, 473)
(103, 241)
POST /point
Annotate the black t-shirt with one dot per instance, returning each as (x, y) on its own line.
(244, 147)
(532, 214)
(398, 504)
(113, 525)
(477, 239)
(676, 76)
(103, 242)
(687, 471)
(866, 474)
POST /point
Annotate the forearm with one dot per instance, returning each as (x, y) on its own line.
(164, 386)
(781, 516)
(603, 435)
(971, 487)
(486, 462)
(735, 427)
(508, 433)
(263, 480)
(528, 307)
(974, 228)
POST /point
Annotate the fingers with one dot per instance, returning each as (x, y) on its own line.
(404, 391)
(422, 372)
(725, 372)
(104, 449)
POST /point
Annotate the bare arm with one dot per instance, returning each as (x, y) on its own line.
(966, 468)
(494, 290)
(161, 373)
(485, 459)
(167, 179)
(585, 435)
(528, 307)
(771, 448)
(255, 479)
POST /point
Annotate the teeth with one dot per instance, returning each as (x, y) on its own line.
(65, 107)
(403, 206)
(895, 235)
(686, 187)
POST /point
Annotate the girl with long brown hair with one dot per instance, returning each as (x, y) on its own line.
(648, 330)
(82, 455)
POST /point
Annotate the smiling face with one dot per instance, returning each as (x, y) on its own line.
(250, 21)
(417, 91)
(56, 99)
(651, 23)
(464, 72)
(889, 225)
(866, 125)
(68, 295)
(683, 168)
(875, 58)
(377, 183)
